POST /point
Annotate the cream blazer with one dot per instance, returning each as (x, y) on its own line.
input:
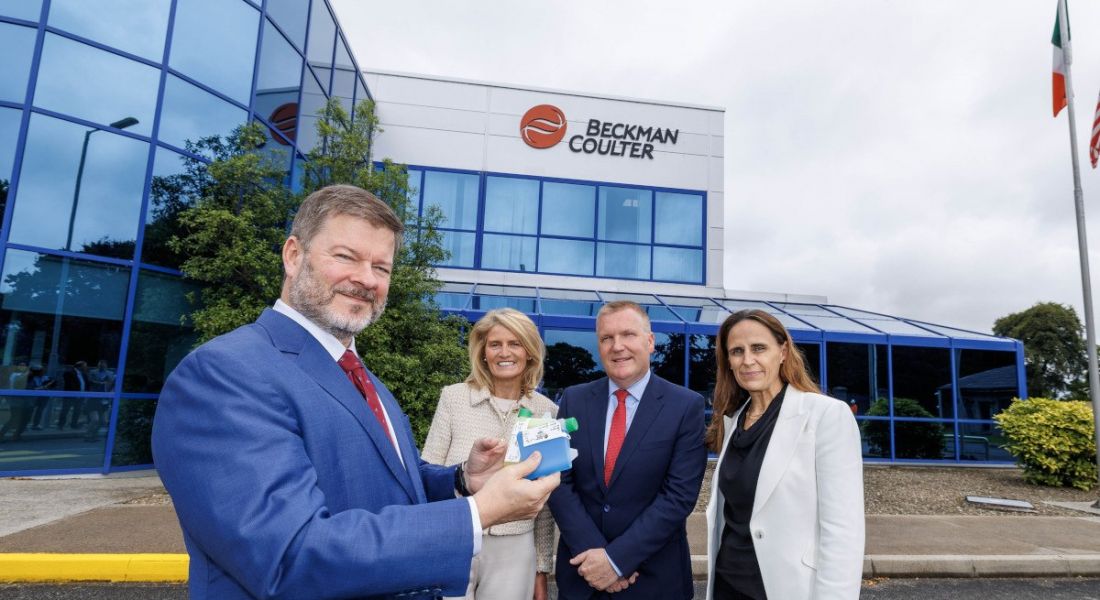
(807, 517)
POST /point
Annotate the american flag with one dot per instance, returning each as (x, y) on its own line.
(1094, 142)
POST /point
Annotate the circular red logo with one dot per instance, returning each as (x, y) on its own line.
(542, 126)
(285, 119)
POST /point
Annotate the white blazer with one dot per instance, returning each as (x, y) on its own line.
(807, 515)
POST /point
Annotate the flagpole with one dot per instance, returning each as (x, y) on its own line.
(1082, 238)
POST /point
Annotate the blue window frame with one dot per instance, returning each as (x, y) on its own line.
(214, 43)
(114, 23)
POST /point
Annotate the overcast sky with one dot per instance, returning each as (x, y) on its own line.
(895, 156)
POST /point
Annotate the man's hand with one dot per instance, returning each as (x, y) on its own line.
(486, 458)
(596, 568)
(541, 587)
(622, 583)
(507, 496)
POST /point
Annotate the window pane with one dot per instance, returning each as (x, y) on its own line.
(857, 374)
(626, 214)
(322, 37)
(567, 257)
(456, 196)
(982, 441)
(414, 183)
(572, 357)
(21, 9)
(811, 355)
(568, 209)
(343, 87)
(113, 23)
(291, 15)
(987, 382)
(53, 448)
(133, 438)
(191, 114)
(483, 302)
(923, 377)
(511, 205)
(214, 42)
(874, 437)
(91, 309)
(668, 356)
(622, 260)
(158, 340)
(508, 252)
(117, 88)
(313, 100)
(677, 264)
(924, 440)
(170, 193)
(98, 217)
(278, 83)
(17, 48)
(461, 247)
(679, 219)
(9, 135)
(702, 372)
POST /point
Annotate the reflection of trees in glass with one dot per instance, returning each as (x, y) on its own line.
(567, 365)
(37, 287)
(702, 370)
(668, 357)
(913, 439)
(108, 247)
(133, 435)
(4, 184)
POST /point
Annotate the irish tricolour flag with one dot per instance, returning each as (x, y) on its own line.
(1059, 77)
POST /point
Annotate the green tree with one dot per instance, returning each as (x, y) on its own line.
(1054, 348)
(913, 439)
(233, 232)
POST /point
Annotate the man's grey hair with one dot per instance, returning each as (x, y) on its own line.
(348, 200)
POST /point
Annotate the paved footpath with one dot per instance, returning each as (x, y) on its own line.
(82, 530)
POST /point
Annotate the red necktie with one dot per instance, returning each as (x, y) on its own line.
(351, 365)
(616, 435)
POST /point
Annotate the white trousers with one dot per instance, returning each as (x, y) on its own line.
(504, 569)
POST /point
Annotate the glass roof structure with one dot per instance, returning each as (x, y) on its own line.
(807, 322)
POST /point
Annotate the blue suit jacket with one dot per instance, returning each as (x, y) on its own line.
(286, 486)
(640, 518)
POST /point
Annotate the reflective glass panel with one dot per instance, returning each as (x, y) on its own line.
(983, 441)
(572, 357)
(702, 371)
(175, 179)
(506, 290)
(113, 23)
(811, 356)
(677, 264)
(568, 209)
(668, 356)
(214, 42)
(897, 327)
(9, 135)
(626, 214)
(291, 15)
(191, 114)
(313, 100)
(679, 219)
(922, 382)
(569, 302)
(343, 87)
(413, 195)
(133, 437)
(90, 306)
(322, 37)
(41, 445)
(460, 245)
(278, 84)
(835, 323)
(963, 334)
(452, 300)
(29, 10)
(100, 216)
(927, 440)
(987, 382)
(508, 252)
(456, 196)
(17, 48)
(874, 437)
(857, 374)
(622, 260)
(511, 205)
(360, 90)
(567, 257)
(158, 339)
(120, 87)
(524, 305)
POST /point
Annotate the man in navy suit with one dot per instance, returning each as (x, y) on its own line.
(292, 469)
(622, 509)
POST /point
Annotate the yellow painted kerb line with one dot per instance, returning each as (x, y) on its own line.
(93, 567)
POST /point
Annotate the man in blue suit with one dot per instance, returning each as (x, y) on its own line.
(622, 509)
(292, 469)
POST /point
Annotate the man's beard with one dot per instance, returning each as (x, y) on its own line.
(309, 296)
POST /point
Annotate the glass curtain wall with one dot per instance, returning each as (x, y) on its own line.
(103, 107)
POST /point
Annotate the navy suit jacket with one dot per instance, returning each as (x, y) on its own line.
(285, 484)
(640, 518)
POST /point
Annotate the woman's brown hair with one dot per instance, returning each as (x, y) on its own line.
(728, 396)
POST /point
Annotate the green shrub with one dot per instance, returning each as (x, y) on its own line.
(914, 439)
(1053, 440)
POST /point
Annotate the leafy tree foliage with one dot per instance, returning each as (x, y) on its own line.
(1054, 348)
(913, 439)
(1052, 440)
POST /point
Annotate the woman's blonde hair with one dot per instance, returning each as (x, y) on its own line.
(520, 326)
(728, 396)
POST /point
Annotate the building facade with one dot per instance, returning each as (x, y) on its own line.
(551, 202)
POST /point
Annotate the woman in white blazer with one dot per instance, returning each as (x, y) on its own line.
(785, 518)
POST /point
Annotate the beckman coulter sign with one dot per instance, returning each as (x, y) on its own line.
(544, 126)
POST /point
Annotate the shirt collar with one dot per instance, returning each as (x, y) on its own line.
(333, 346)
(636, 389)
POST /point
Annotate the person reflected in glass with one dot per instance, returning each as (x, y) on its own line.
(38, 380)
(75, 380)
(785, 518)
(100, 379)
(506, 363)
(19, 406)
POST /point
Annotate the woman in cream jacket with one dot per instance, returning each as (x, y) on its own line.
(785, 518)
(506, 356)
